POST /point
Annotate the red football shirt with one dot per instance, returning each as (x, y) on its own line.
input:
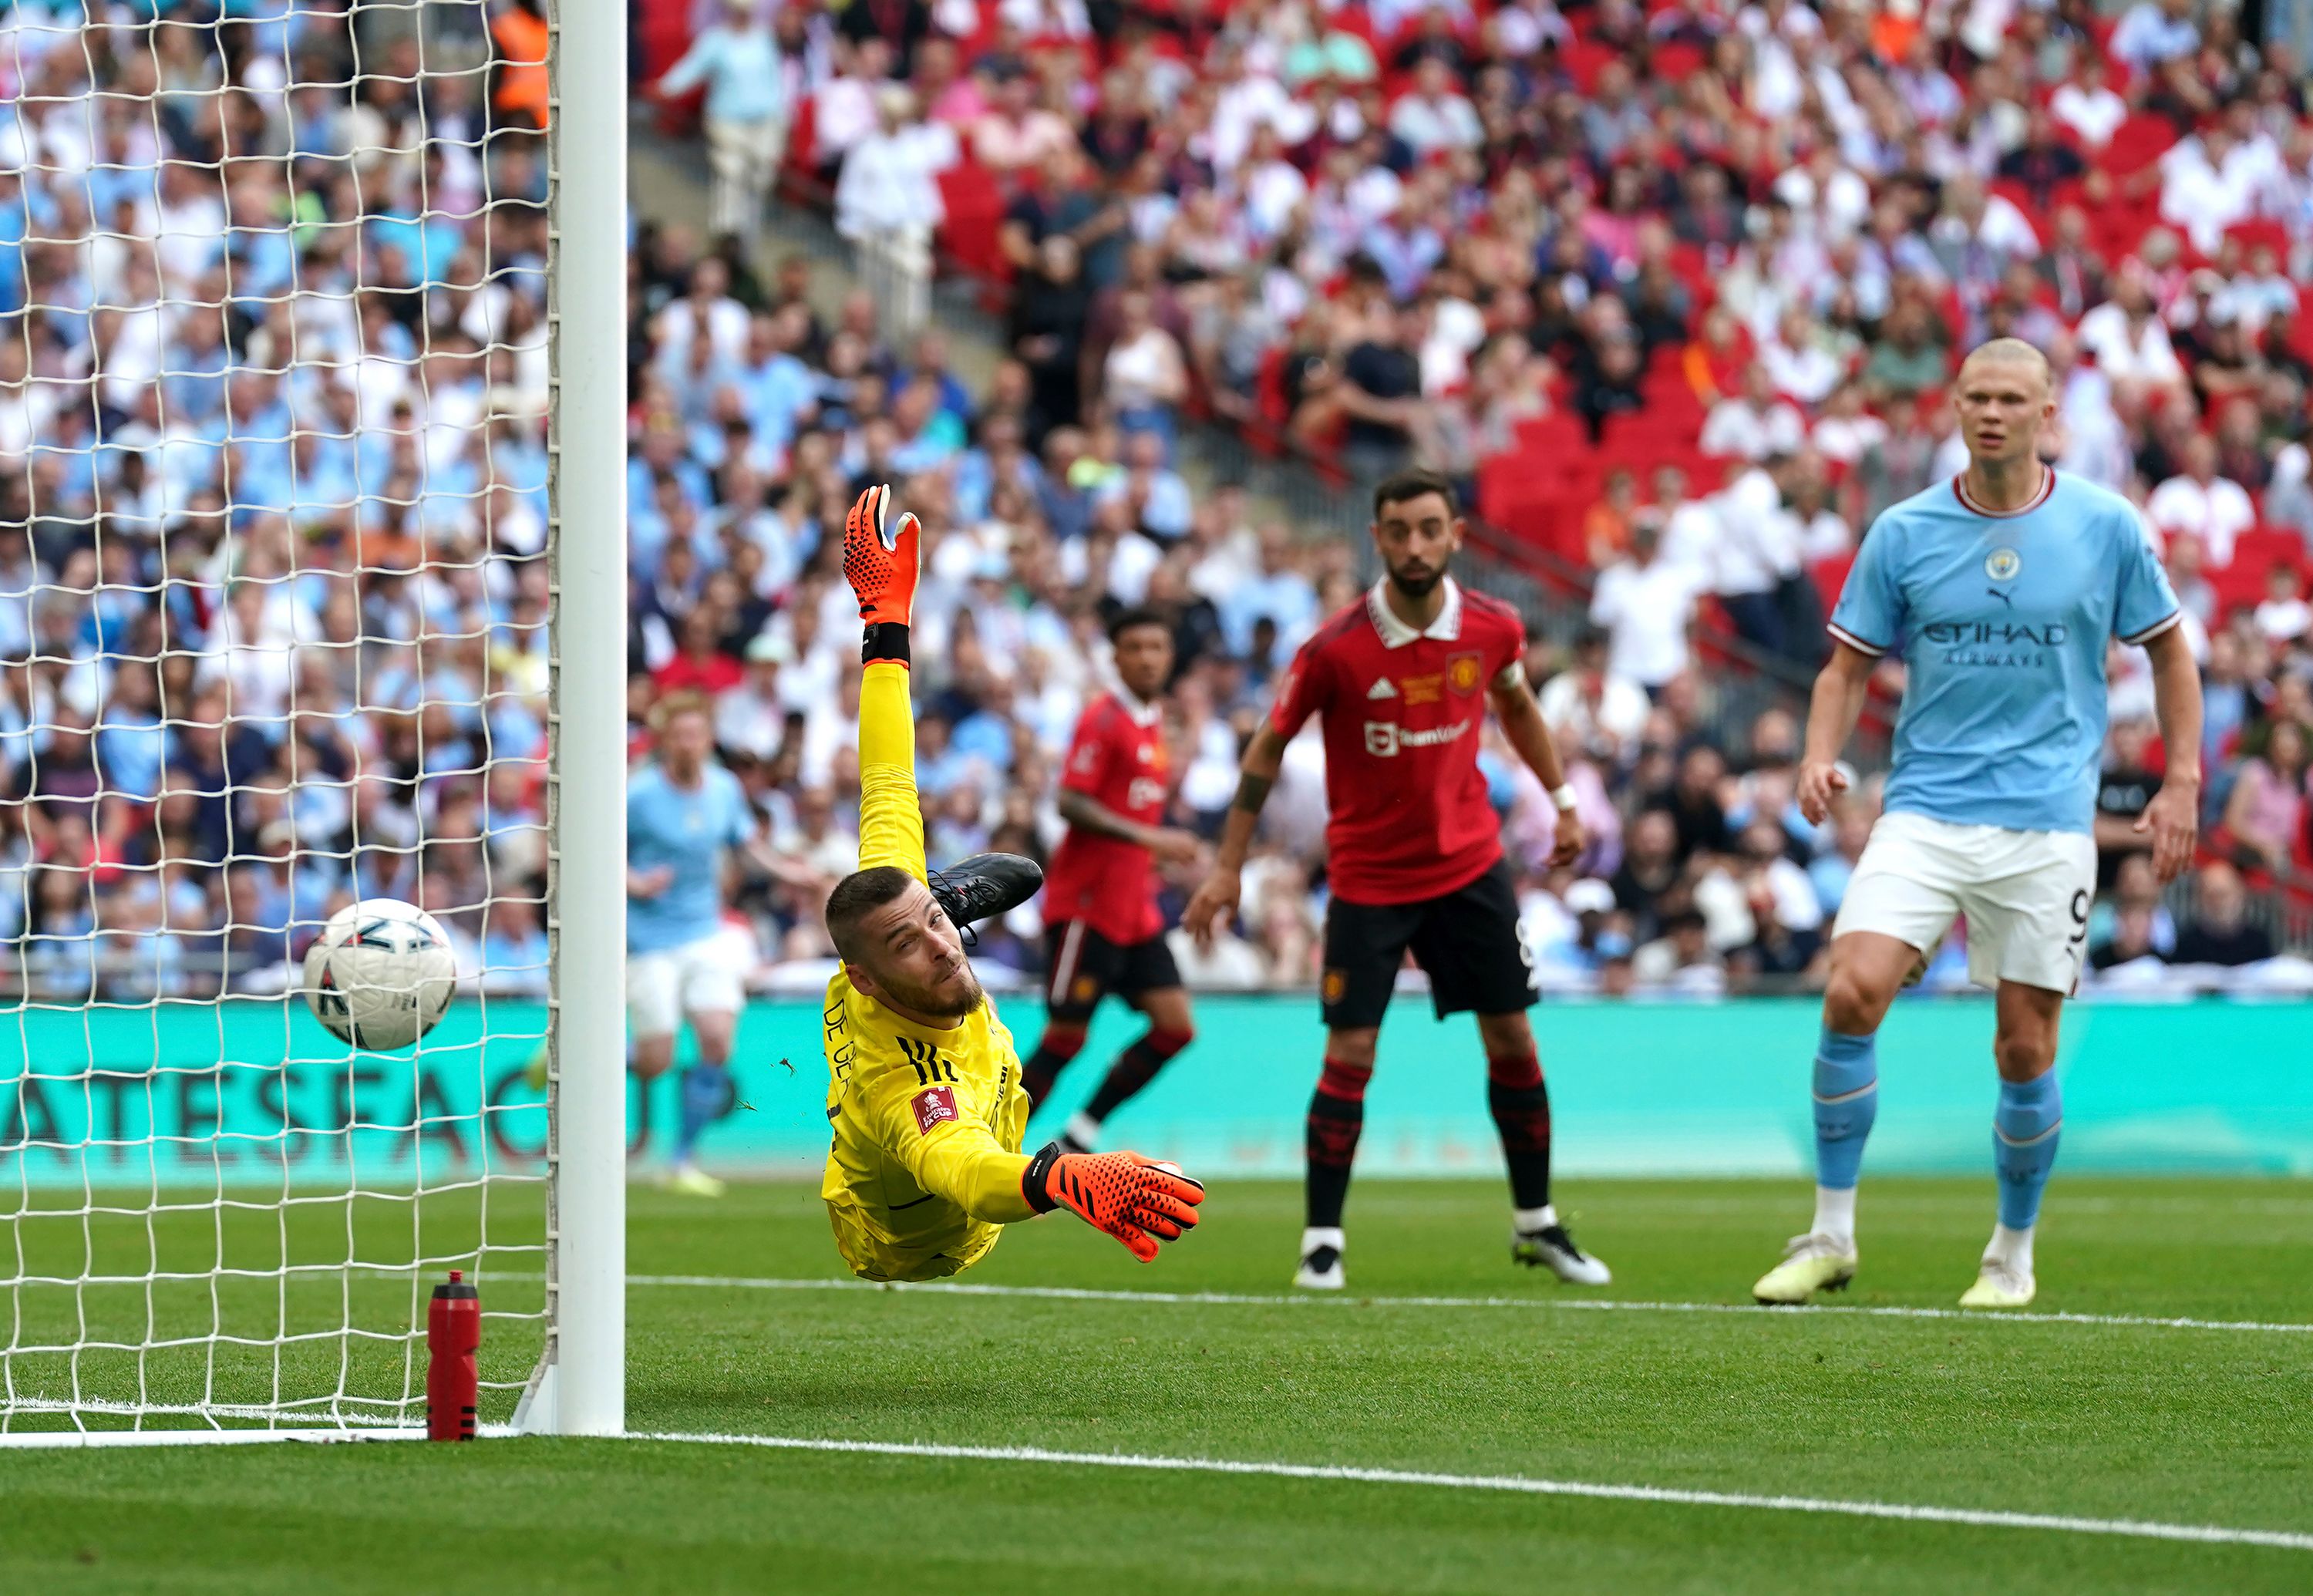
(1403, 713)
(1116, 759)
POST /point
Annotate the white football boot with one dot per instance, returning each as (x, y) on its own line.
(1812, 1263)
(692, 1181)
(1551, 1248)
(2000, 1283)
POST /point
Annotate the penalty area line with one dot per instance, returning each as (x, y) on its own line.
(1977, 1518)
(1063, 1293)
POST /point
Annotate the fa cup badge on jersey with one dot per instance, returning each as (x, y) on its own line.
(2003, 564)
(934, 1106)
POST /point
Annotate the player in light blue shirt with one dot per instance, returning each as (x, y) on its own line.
(684, 814)
(1999, 591)
(2003, 714)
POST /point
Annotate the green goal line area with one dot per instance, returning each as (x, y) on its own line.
(1065, 1414)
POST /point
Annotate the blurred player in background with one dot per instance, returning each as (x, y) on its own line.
(684, 814)
(1402, 679)
(2000, 587)
(924, 1095)
(1103, 932)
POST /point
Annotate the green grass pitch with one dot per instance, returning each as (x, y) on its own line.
(2102, 1421)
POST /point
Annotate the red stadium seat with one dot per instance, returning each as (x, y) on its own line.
(2119, 226)
(2261, 232)
(1519, 494)
(1499, 479)
(1584, 482)
(1669, 396)
(1830, 578)
(2235, 591)
(1555, 436)
(1691, 264)
(801, 172)
(662, 33)
(975, 210)
(1676, 62)
(1651, 438)
(2138, 142)
(1269, 387)
(1584, 61)
(2260, 551)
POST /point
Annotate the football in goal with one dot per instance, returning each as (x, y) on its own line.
(381, 974)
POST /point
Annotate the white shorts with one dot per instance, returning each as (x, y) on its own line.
(663, 987)
(2026, 896)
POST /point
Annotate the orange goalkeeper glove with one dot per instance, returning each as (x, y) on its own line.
(879, 560)
(1134, 1199)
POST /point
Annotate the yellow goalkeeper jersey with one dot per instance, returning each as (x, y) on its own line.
(925, 1164)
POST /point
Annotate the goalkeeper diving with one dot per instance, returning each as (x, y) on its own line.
(924, 1087)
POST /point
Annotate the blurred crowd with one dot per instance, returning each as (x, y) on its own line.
(1703, 876)
(273, 378)
(1676, 290)
(273, 383)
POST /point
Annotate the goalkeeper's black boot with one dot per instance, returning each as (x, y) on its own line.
(985, 885)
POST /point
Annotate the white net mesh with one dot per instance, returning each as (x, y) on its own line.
(273, 624)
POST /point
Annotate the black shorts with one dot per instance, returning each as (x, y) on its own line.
(1467, 940)
(1081, 967)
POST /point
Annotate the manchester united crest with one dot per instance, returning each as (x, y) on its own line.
(1463, 672)
(1336, 983)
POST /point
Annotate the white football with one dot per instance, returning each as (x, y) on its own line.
(381, 974)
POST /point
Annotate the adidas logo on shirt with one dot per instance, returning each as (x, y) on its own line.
(1381, 689)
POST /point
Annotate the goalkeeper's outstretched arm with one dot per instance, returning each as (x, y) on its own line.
(890, 814)
(881, 561)
(923, 1115)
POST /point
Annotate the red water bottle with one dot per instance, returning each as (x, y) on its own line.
(454, 1333)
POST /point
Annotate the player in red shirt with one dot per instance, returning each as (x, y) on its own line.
(1101, 925)
(1402, 679)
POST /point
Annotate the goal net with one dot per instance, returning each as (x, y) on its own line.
(277, 609)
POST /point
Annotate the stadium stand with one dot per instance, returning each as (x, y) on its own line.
(1697, 274)
(272, 396)
(1674, 291)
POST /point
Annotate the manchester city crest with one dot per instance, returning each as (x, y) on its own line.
(2003, 564)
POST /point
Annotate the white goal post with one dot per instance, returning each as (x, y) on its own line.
(581, 1389)
(312, 587)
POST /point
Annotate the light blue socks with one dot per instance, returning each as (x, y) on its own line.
(706, 1088)
(1846, 1102)
(2024, 1135)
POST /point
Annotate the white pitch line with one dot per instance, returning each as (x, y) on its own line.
(1590, 1304)
(2136, 1528)
(74, 1439)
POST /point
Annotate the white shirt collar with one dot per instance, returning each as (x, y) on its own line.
(1395, 634)
(1146, 714)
